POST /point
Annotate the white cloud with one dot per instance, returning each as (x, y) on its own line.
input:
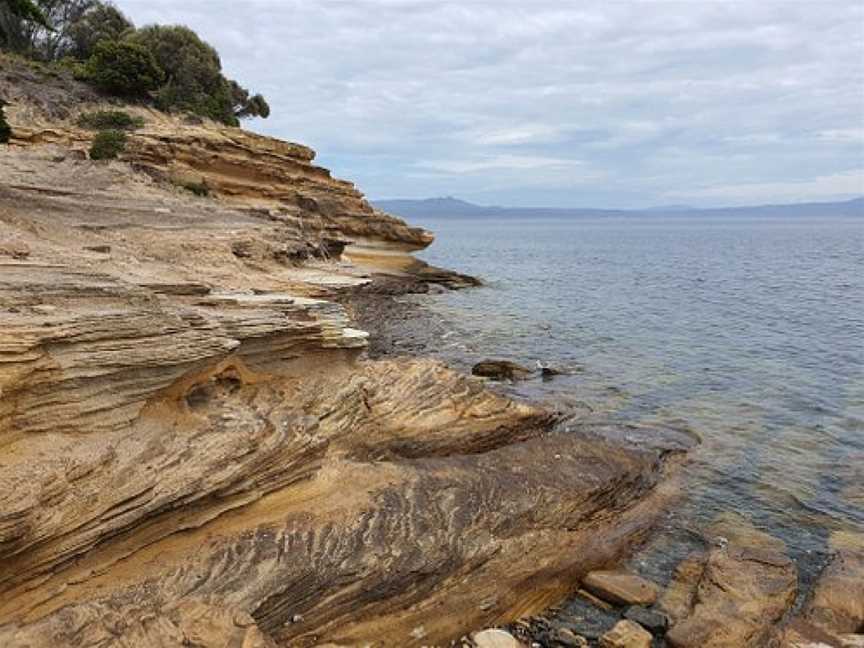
(499, 162)
(836, 186)
(402, 96)
(851, 135)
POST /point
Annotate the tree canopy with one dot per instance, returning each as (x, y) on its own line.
(168, 65)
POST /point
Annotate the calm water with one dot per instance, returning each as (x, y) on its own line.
(749, 333)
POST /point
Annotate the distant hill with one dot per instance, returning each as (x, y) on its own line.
(453, 207)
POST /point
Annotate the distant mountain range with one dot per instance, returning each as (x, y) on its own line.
(453, 207)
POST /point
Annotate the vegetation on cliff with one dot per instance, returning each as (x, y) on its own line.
(168, 66)
(5, 130)
(108, 144)
(109, 119)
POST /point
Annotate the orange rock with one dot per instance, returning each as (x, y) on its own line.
(626, 634)
(745, 588)
(621, 587)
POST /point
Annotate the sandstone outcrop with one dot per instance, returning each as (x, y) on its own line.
(195, 451)
(833, 613)
(735, 593)
(277, 180)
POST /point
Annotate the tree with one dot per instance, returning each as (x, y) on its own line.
(18, 20)
(245, 106)
(101, 22)
(52, 42)
(194, 76)
(124, 69)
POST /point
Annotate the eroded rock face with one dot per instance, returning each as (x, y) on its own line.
(194, 450)
(735, 593)
(277, 180)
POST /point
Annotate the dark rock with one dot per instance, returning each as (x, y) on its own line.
(655, 621)
(569, 639)
(500, 370)
(102, 249)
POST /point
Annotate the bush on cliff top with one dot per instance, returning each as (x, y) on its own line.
(169, 66)
(124, 69)
(100, 22)
(109, 119)
(195, 82)
(107, 145)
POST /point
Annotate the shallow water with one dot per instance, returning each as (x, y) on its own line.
(747, 332)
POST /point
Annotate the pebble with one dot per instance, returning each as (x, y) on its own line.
(494, 638)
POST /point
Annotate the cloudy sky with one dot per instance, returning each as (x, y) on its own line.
(556, 103)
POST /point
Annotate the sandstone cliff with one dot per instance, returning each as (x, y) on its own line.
(194, 449)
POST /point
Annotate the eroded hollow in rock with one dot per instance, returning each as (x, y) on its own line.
(218, 387)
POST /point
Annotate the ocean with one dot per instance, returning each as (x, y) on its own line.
(747, 332)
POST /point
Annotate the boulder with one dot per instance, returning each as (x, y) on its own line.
(626, 634)
(495, 638)
(621, 587)
(500, 370)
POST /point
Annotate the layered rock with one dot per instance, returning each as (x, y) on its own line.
(194, 450)
(734, 594)
(277, 179)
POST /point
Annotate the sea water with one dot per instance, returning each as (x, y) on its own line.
(748, 332)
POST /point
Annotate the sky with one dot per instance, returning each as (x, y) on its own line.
(571, 103)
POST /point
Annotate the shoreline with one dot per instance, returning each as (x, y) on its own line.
(200, 442)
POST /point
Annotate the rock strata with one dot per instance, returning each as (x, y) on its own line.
(194, 449)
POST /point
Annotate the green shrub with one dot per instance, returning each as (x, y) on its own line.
(195, 80)
(107, 145)
(197, 188)
(125, 69)
(5, 130)
(109, 119)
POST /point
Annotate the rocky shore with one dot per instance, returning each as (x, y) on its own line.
(198, 448)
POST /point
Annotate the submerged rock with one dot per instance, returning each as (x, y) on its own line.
(500, 370)
(836, 604)
(745, 586)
